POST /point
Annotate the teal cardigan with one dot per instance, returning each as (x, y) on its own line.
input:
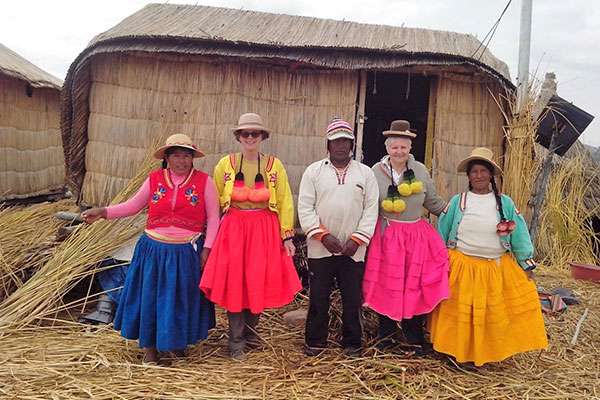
(518, 242)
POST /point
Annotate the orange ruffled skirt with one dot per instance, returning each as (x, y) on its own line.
(493, 311)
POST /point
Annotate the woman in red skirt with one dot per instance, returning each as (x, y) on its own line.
(250, 267)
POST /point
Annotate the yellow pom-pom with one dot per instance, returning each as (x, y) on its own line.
(387, 205)
(416, 186)
(404, 189)
(399, 205)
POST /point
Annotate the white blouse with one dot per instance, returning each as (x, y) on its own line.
(476, 235)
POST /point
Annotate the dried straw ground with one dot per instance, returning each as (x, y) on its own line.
(63, 360)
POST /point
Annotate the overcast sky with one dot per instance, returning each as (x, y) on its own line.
(51, 33)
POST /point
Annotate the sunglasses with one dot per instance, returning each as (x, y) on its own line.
(254, 134)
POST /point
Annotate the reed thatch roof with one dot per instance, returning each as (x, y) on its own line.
(233, 32)
(193, 35)
(15, 66)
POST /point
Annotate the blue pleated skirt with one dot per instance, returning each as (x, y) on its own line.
(161, 305)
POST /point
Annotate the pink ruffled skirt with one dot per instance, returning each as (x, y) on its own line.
(406, 272)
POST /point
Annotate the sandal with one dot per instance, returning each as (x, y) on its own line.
(150, 360)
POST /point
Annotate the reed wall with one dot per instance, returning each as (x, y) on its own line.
(466, 116)
(31, 156)
(134, 98)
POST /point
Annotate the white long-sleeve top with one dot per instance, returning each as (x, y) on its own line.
(476, 235)
(344, 204)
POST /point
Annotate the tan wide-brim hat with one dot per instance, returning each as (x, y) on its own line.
(178, 140)
(480, 153)
(399, 128)
(251, 121)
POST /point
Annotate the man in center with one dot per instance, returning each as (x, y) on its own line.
(337, 209)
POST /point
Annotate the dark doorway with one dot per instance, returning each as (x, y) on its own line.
(391, 96)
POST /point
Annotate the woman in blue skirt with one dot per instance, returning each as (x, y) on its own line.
(161, 305)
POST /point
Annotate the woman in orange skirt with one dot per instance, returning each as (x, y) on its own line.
(250, 267)
(493, 311)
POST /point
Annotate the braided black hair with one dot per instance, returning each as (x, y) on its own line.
(498, 198)
(490, 168)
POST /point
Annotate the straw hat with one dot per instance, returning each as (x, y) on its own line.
(399, 128)
(251, 121)
(480, 153)
(178, 140)
(338, 128)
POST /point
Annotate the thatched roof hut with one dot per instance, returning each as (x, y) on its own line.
(31, 155)
(194, 69)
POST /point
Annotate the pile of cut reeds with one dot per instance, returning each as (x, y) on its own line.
(40, 298)
(566, 233)
(27, 238)
(76, 362)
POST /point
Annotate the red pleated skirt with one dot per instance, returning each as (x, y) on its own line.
(248, 268)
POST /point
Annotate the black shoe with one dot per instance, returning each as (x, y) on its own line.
(466, 366)
(385, 344)
(176, 354)
(254, 342)
(427, 349)
(352, 351)
(313, 351)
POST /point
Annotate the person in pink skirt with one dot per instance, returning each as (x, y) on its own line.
(406, 272)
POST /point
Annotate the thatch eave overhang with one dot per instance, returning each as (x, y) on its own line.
(15, 66)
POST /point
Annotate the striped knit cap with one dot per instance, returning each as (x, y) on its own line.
(338, 128)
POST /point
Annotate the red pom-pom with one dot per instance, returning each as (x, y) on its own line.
(259, 195)
(240, 193)
(502, 226)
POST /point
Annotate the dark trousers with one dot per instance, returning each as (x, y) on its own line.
(242, 329)
(323, 273)
(412, 328)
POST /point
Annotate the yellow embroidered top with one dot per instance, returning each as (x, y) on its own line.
(276, 180)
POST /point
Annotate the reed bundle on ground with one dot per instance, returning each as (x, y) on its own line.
(72, 361)
(27, 237)
(566, 233)
(41, 296)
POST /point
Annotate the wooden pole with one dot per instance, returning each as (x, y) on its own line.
(430, 133)
(360, 115)
(541, 185)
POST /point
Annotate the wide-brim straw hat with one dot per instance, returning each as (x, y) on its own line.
(251, 121)
(400, 128)
(483, 154)
(178, 140)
